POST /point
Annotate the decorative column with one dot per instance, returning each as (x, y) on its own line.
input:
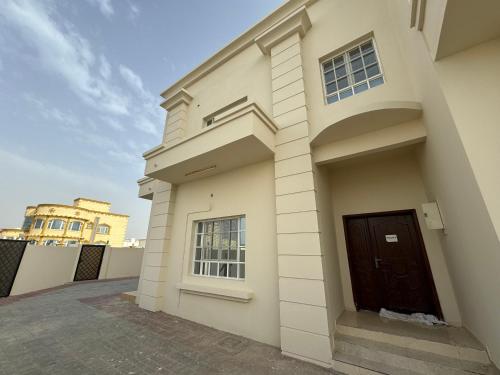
(151, 287)
(304, 324)
(176, 122)
(152, 281)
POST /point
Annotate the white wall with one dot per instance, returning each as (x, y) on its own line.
(45, 267)
(331, 266)
(247, 191)
(121, 262)
(470, 245)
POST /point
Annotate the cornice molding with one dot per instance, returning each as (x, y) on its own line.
(242, 42)
(296, 22)
(180, 97)
(144, 180)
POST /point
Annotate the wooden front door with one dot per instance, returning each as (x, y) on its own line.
(388, 263)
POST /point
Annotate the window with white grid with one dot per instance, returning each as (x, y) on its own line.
(352, 72)
(219, 248)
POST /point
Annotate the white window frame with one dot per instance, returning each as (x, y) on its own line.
(101, 226)
(205, 272)
(51, 224)
(70, 227)
(41, 221)
(71, 243)
(50, 242)
(351, 84)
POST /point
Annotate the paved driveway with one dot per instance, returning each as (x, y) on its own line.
(87, 329)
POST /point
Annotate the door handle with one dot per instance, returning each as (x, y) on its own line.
(377, 262)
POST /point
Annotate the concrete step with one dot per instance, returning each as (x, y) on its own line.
(466, 350)
(129, 296)
(392, 359)
(353, 365)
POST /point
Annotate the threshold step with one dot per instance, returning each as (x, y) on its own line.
(352, 365)
(129, 296)
(401, 358)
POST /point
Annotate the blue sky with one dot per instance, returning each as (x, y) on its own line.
(79, 92)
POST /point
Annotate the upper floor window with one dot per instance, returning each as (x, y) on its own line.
(51, 242)
(103, 229)
(213, 117)
(38, 224)
(219, 249)
(56, 224)
(209, 121)
(352, 72)
(75, 226)
(71, 243)
(27, 222)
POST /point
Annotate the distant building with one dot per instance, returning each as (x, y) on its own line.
(12, 234)
(134, 242)
(86, 221)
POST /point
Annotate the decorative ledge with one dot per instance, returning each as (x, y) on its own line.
(296, 22)
(146, 188)
(180, 97)
(237, 295)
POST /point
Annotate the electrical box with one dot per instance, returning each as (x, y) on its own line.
(432, 216)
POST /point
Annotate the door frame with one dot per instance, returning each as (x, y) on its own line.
(428, 274)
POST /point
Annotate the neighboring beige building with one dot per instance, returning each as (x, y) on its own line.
(339, 155)
(86, 221)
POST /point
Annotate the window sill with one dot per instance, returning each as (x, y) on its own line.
(237, 295)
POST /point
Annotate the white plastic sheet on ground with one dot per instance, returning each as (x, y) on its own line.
(422, 318)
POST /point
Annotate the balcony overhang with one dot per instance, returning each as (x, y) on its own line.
(240, 137)
(393, 137)
(454, 25)
(369, 118)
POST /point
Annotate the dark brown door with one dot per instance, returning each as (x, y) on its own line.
(89, 263)
(388, 263)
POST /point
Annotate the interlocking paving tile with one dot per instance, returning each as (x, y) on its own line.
(87, 329)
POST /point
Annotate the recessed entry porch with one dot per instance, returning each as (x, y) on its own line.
(379, 253)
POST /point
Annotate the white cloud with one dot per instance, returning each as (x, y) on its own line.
(105, 6)
(67, 119)
(146, 125)
(49, 173)
(150, 117)
(105, 67)
(134, 10)
(113, 123)
(133, 80)
(64, 52)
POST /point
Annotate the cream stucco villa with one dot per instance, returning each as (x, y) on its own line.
(339, 156)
